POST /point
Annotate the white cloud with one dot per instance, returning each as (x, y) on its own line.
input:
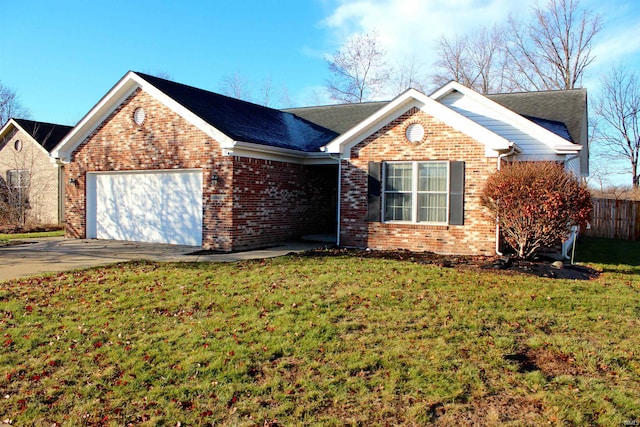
(409, 28)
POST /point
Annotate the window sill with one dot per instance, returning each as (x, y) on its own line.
(421, 225)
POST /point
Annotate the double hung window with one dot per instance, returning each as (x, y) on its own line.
(416, 192)
(18, 183)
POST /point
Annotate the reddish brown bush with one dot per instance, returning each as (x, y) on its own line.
(536, 204)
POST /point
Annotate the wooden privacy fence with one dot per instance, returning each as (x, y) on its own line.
(615, 219)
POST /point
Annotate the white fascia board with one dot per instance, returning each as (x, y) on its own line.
(321, 159)
(369, 125)
(402, 103)
(125, 87)
(116, 96)
(7, 126)
(265, 152)
(568, 149)
(555, 142)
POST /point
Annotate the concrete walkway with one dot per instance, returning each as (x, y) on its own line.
(55, 254)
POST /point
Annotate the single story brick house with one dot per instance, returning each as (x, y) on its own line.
(28, 176)
(160, 161)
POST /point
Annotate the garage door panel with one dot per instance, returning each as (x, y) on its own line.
(158, 207)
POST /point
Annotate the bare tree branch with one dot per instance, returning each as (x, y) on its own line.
(359, 69)
(236, 86)
(10, 106)
(477, 60)
(617, 114)
(553, 50)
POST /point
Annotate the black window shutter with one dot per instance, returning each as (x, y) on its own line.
(456, 193)
(373, 195)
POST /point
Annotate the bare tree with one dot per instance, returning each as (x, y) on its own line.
(407, 75)
(359, 69)
(553, 50)
(617, 119)
(236, 85)
(10, 106)
(477, 60)
(162, 74)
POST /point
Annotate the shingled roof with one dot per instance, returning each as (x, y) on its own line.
(566, 107)
(560, 112)
(245, 121)
(340, 117)
(46, 134)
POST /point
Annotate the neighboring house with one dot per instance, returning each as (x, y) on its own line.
(159, 161)
(30, 181)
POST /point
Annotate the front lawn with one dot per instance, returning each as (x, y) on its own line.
(5, 238)
(318, 341)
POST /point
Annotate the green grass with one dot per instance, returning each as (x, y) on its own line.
(318, 341)
(32, 235)
(608, 251)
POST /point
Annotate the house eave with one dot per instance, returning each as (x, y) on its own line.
(556, 143)
(126, 86)
(265, 152)
(413, 98)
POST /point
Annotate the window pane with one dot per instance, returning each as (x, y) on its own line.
(432, 177)
(397, 207)
(432, 207)
(24, 179)
(18, 178)
(398, 177)
(12, 179)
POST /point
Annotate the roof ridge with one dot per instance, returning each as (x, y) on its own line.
(40, 122)
(336, 105)
(167, 81)
(527, 92)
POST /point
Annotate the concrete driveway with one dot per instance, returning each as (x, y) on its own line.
(56, 254)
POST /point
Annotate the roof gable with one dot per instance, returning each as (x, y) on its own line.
(228, 120)
(565, 106)
(45, 135)
(535, 138)
(493, 142)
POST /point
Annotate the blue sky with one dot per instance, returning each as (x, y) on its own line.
(61, 57)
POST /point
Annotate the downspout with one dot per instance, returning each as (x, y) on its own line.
(339, 194)
(571, 241)
(61, 190)
(500, 157)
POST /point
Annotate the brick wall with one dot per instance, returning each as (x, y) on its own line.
(164, 141)
(254, 203)
(276, 201)
(441, 142)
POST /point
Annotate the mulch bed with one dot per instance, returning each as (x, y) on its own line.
(542, 267)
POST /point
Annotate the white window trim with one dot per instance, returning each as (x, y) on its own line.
(414, 192)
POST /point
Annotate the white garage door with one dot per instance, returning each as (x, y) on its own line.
(146, 206)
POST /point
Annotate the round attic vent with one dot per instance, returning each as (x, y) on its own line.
(415, 132)
(139, 116)
(17, 145)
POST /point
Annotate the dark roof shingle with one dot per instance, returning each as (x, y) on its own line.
(46, 134)
(340, 117)
(567, 107)
(245, 121)
(309, 128)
